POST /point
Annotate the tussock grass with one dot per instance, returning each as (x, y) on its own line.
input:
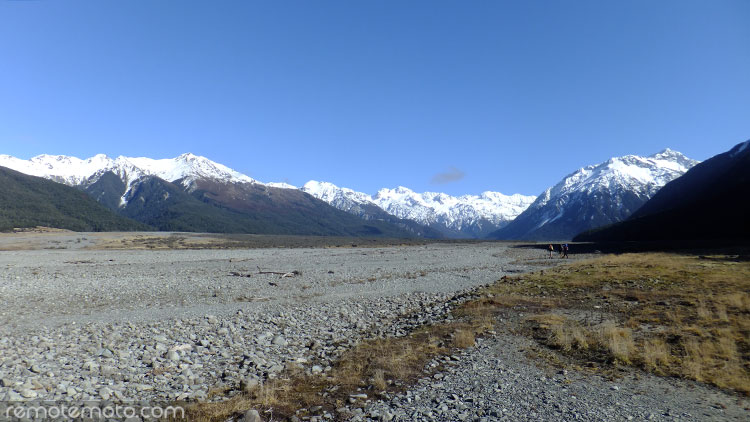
(378, 380)
(655, 354)
(463, 339)
(618, 341)
(676, 315)
(372, 367)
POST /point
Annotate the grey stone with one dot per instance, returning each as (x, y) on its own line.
(107, 370)
(249, 384)
(14, 396)
(252, 415)
(28, 393)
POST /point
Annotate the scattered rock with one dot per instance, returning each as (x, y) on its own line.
(252, 416)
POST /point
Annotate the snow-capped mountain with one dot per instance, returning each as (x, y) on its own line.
(361, 205)
(345, 199)
(461, 216)
(72, 171)
(193, 193)
(596, 195)
(707, 203)
(185, 170)
(28, 201)
(455, 212)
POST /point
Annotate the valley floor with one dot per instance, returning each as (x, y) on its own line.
(107, 317)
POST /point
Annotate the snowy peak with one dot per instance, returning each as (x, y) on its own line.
(627, 172)
(187, 168)
(597, 195)
(707, 203)
(466, 215)
(330, 193)
(453, 210)
(75, 171)
(345, 199)
(668, 154)
(60, 168)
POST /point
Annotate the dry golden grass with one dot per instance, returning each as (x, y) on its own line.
(464, 339)
(618, 341)
(655, 354)
(676, 315)
(378, 380)
(367, 368)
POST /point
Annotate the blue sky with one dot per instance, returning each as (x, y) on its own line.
(452, 96)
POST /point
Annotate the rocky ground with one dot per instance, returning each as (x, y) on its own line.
(497, 381)
(84, 324)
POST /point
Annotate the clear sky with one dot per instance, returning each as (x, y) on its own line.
(452, 96)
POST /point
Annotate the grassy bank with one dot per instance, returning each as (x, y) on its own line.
(675, 315)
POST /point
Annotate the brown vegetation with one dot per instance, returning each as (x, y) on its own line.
(676, 315)
(373, 367)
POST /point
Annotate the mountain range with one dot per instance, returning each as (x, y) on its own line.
(193, 193)
(709, 202)
(596, 195)
(466, 216)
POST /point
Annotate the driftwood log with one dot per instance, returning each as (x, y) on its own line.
(283, 274)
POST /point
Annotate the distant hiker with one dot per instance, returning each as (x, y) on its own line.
(561, 250)
(565, 250)
(551, 249)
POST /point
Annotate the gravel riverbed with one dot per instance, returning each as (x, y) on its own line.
(82, 324)
(78, 324)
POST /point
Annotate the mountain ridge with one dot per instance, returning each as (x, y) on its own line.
(595, 195)
(708, 202)
(193, 193)
(454, 216)
(591, 196)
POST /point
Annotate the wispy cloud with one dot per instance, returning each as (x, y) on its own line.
(452, 175)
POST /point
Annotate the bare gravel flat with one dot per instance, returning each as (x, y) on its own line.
(57, 279)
